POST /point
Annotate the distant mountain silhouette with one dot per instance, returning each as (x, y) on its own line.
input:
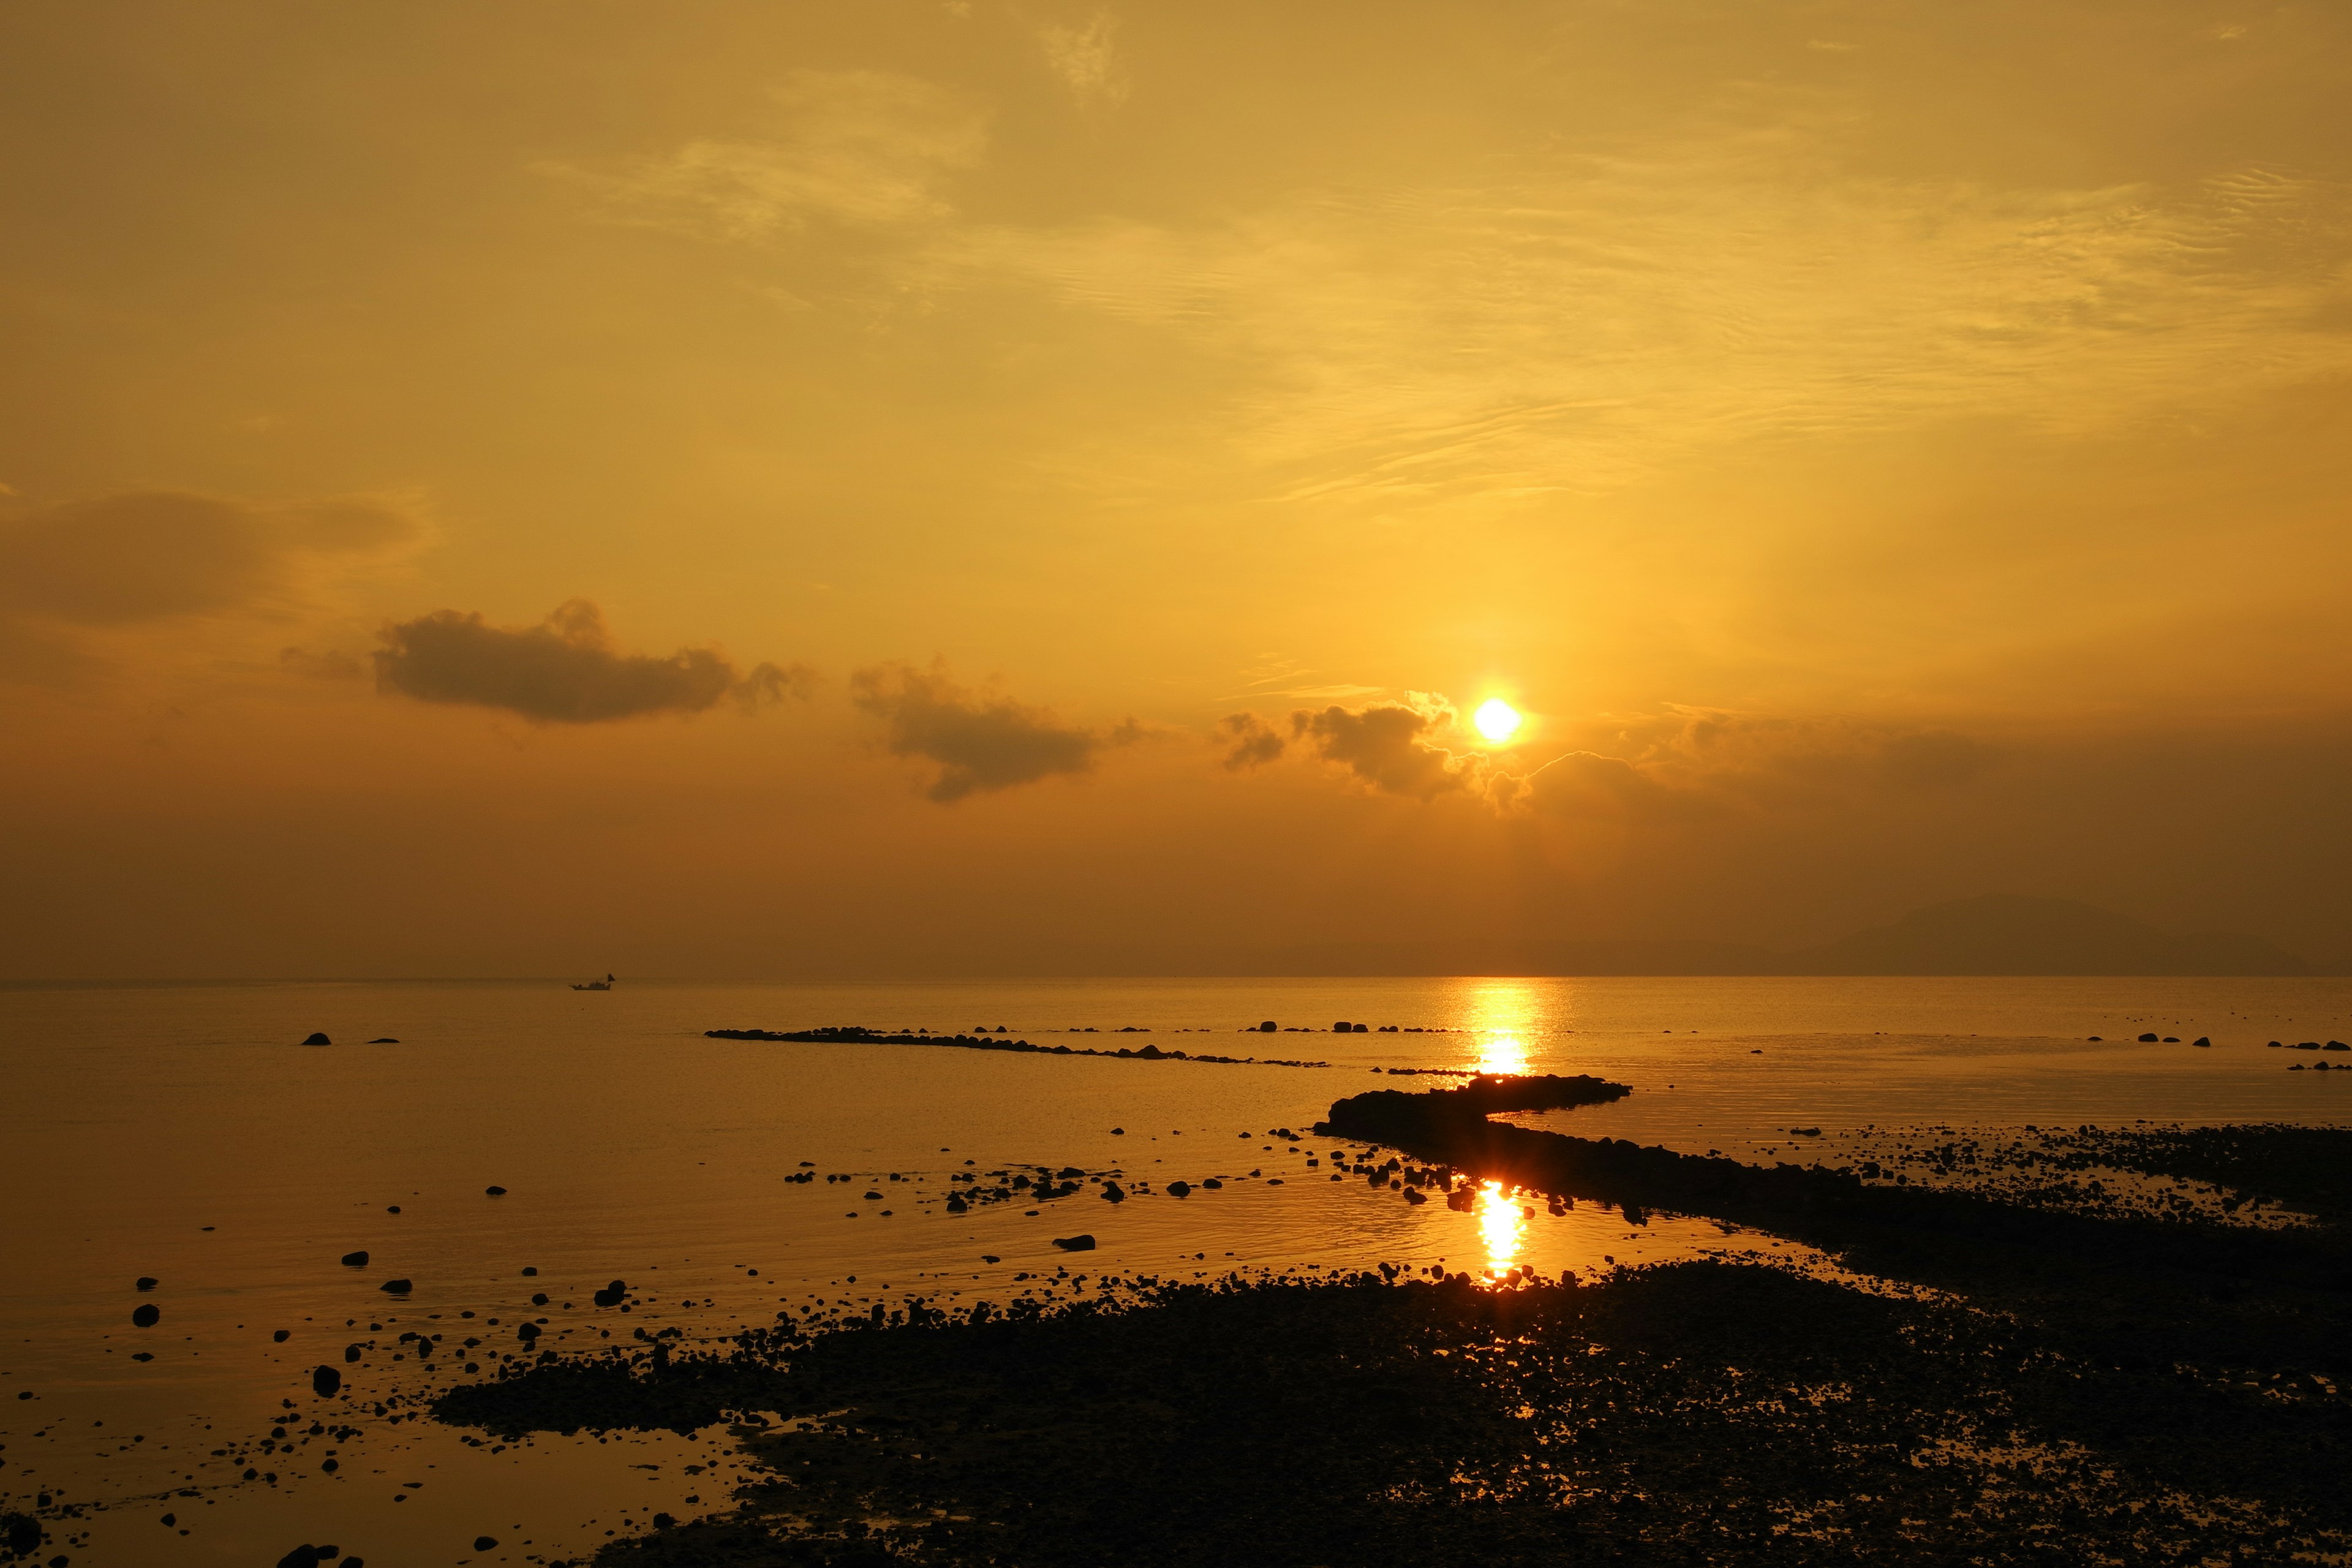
(2004, 933)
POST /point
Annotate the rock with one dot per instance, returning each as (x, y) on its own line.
(2202, 1040)
(144, 1282)
(872, 1198)
(494, 1192)
(1113, 1192)
(2148, 1039)
(20, 1533)
(1415, 1195)
(533, 1273)
(663, 1521)
(956, 1204)
(1343, 1027)
(146, 1316)
(355, 1259)
(484, 1542)
(1179, 1189)
(989, 1257)
(1075, 1243)
(351, 1352)
(317, 1040)
(1212, 1183)
(527, 1332)
(1267, 1027)
(1121, 1131)
(306, 1556)
(281, 1336)
(398, 1287)
(325, 1381)
(384, 1040)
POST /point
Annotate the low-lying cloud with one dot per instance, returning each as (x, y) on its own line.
(1391, 747)
(1249, 742)
(566, 670)
(980, 741)
(1680, 765)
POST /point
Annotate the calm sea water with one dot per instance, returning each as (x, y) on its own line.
(181, 1132)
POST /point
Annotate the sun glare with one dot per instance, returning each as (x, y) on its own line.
(1497, 719)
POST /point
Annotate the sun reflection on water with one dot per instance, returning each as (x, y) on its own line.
(1503, 1054)
(1503, 1016)
(1502, 1226)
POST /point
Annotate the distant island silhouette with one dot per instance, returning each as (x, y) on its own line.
(1998, 933)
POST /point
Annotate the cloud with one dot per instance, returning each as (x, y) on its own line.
(1689, 764)
(1387, 746)
(1585, 318)
(150, 555)
(1680, 766)
(77, 572)
(1083, 57)
(1249, 740)
(566, 670)
(980, 741)
(860, 149)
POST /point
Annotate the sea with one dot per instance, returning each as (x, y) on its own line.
(508, 1148)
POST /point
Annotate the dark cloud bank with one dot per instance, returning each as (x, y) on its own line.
(566, 670)
(980, 742)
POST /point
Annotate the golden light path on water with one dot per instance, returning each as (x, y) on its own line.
(1504, 1014)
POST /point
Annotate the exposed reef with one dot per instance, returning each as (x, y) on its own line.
(857, 1035)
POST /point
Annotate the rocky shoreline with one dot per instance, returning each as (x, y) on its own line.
(2028, 1383)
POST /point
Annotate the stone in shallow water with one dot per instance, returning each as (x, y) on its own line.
(355, 1259)
(317, 1040)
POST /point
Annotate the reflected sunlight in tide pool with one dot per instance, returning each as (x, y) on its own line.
(1502, 1226)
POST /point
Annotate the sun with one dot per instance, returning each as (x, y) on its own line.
(1497, 719)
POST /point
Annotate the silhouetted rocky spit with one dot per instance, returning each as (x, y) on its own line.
(2080, 1383)
(855, 1035)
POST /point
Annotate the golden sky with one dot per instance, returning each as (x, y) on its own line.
(741, 489)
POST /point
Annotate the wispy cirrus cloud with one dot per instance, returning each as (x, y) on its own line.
(860, 149)
(1084, 57)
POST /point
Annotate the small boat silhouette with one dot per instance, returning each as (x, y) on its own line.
(604, 985)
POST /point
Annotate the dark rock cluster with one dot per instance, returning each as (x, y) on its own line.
(857, 1035)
